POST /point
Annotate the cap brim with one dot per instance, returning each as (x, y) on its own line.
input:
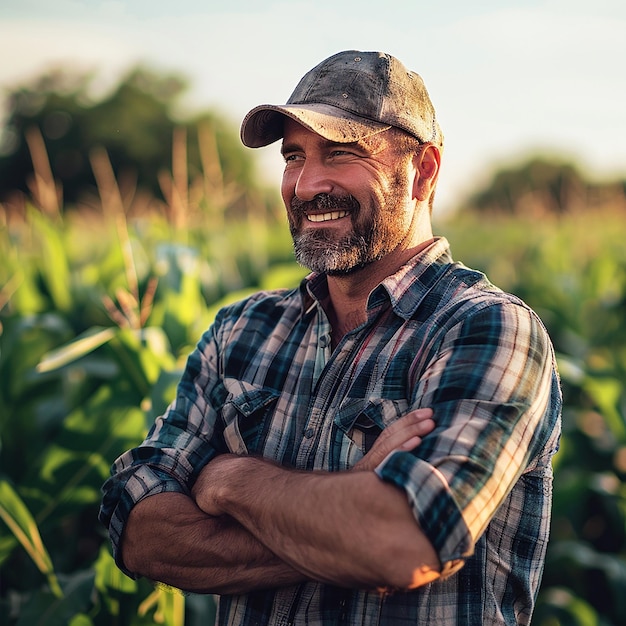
(264, 124)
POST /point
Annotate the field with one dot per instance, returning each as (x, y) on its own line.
(98, 310)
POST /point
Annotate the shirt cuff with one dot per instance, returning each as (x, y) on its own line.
(433, 505)
(144, 481)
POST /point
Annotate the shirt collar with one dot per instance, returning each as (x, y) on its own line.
(407, 288)
(404, 290)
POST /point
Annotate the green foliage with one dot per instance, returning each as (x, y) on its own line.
(98, 313)
(17, 517)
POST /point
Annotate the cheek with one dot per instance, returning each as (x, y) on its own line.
(288, 185)
(286, 191)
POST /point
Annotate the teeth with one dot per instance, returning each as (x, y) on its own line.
(327, 217)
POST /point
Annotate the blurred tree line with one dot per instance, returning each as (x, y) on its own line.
(545, 185)
(136, 124)
(55, 125)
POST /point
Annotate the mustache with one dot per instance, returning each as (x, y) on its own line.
(324, 202)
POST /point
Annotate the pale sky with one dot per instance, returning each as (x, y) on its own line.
(508, 79)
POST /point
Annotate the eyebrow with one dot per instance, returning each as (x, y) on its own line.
(289, 148)
(356, 145)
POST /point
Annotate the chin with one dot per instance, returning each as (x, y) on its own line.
(337, 268)
(348, 271)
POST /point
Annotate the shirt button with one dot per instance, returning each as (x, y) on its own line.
(308, 433)
(324, 341)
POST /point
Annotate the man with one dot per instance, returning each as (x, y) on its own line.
(371, 448)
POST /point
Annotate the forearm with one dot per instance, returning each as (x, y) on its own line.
(347, 528)
(167, 538)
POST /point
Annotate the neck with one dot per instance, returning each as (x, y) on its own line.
(346, 305)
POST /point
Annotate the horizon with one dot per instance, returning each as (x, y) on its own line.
(508, 82)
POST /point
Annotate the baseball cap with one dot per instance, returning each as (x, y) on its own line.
(347, 97)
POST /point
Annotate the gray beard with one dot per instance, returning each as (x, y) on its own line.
(320, 252)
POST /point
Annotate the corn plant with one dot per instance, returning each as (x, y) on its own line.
(98, 310)
(100, 307)
(79, 385)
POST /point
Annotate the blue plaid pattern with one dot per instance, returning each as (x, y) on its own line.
(263, 381)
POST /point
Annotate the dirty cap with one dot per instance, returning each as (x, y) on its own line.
(350, 96)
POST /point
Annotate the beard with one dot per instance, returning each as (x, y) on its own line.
(376, 231)
(321, 249)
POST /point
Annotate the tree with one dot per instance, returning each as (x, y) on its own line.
(135, 125)
(543, 186)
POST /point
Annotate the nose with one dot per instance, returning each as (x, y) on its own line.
(313, 179)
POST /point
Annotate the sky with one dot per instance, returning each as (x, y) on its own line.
(508, 79)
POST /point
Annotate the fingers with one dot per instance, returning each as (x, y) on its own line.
(413, 418)
(418, 422)
(418, 415)
(411, 443)
(389, 441)
(404, 434)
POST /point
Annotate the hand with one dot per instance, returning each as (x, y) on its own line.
(211, 479)
(404, 434)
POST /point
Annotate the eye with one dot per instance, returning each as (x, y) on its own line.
(351, 151)
(341, 153)
(290, 158)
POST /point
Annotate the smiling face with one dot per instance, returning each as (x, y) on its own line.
(349, 205)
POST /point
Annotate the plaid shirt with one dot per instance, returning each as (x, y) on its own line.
(264, 380)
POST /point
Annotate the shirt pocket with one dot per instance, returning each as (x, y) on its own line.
(362, 420)
(245, 411)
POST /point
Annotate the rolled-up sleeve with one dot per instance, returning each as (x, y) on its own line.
(178, 445)
(489, 379)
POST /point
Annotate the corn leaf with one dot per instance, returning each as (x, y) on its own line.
(84, 344)
(18, 518)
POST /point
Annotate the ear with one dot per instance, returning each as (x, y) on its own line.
(426, 163)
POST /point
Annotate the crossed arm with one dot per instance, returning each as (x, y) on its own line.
(252, 524)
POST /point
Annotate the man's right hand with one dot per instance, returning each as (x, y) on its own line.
(404, 434)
